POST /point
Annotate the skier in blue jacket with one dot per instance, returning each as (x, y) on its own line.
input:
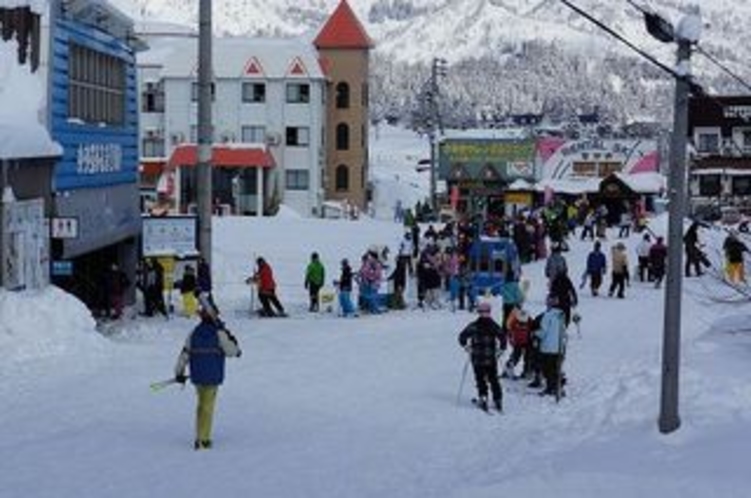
(204, 353)
(552, 336)
(596, 266)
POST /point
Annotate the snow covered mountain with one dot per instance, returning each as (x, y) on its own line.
(503, 34)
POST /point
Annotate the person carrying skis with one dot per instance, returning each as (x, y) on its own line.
(552, 336)
(203, 354)
(482, 338)
(315, 276)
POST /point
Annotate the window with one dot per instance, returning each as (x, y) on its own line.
(709, 185)
(194, 92)
(746, 140)
(152, 147)
(342, 136)
(298, 136)
(254, 92)
(342, 96)
(298, 93)
(342, 178)
(152, 98)
(296, 179)
(96, 86)
(741, 185)
(254, 134)
(365, 95)
(708, 141)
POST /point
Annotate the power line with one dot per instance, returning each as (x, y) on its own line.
(727, 70)
(623, 40)
(702, 51)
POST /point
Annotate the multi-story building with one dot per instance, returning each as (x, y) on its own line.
(289, 118)
(93, 115)
(27, 152)
(720, 168)
(344, 47)
(267, 118)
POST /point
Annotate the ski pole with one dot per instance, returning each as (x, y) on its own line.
(461, 384)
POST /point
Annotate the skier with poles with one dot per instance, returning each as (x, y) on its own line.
(204, 352)
(482, 339)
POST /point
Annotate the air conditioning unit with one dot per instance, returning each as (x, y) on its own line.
(151, 133)
(273, 138)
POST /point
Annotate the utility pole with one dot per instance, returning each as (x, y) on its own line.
(437, 68)
(205, 131)
(671, 341)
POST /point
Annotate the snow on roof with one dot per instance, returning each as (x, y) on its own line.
(573, 186)
(644, 183)
(520, 184)
(21, 103)
(232, 55)
(36, 6)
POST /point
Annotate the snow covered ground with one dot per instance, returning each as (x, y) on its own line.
(322, 406)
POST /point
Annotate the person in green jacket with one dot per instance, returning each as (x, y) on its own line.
(315, 276)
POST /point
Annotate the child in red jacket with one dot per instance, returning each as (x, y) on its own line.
(519, 327)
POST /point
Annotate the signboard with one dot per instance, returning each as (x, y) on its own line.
(25, 253)
(64, 228)
(62, 268)
(170, 235)
(510, 159)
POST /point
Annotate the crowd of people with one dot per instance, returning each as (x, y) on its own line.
(439, 265)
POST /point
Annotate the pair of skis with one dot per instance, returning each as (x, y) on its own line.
(162, 384)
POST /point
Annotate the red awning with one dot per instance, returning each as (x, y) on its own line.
(227, 156)
(151, 167)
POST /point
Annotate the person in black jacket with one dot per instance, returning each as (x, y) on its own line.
(482, 338)
(344, 284)
(564, 291)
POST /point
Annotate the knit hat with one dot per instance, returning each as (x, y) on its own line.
(484, 308)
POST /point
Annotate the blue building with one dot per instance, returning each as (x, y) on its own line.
(93, 114)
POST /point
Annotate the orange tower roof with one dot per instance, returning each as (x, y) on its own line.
(343, 30)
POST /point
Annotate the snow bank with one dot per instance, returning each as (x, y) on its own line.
(43, 324)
